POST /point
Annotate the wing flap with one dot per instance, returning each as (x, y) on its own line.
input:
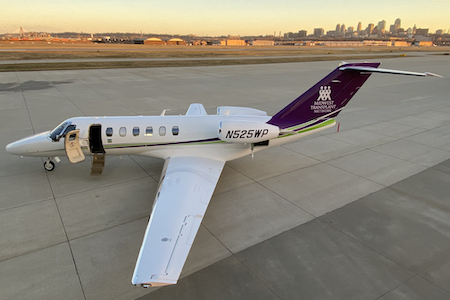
(184, 193)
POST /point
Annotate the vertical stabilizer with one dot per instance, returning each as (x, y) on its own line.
(326, 98)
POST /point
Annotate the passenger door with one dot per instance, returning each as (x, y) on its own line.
(72, 147)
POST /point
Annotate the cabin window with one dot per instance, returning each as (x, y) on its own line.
(175, 130)
(162, 130)
(123, 131)
(149, 131)
(136, 131)
(109, 131)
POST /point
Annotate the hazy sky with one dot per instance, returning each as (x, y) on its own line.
(212, 17)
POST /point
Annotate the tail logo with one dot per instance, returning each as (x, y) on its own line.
(324, 93)
(324, 103)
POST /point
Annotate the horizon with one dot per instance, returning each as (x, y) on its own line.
(214, 18)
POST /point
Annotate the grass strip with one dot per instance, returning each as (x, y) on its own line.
(171, 63)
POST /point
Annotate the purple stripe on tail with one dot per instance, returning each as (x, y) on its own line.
(327, 96)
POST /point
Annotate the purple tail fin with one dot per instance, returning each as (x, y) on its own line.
(325, 99)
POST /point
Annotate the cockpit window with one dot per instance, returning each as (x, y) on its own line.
(61, 130)
(56, 133)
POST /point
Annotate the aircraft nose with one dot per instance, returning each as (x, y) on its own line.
(28, 145)
(17, 147)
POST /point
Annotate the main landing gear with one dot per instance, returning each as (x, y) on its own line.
(49, 165)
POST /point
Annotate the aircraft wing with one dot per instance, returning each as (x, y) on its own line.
(184, 192)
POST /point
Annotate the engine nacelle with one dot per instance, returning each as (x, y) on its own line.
(247, 132)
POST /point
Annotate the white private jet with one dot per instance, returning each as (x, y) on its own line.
(195, 148)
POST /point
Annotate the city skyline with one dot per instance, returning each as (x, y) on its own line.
(214, 18)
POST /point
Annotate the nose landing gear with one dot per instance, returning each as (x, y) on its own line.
(49, 165)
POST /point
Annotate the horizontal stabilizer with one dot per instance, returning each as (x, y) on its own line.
(388, 71)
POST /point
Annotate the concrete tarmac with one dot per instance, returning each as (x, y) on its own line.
(358, 214)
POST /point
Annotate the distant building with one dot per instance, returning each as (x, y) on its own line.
(393, 29)
(359, 27)
(381, 27)
(377, 43)
(439, 32)
(318, 32)
(423, 43)
(199, 43)
(231, 42)
(370, 28)
(154, 41)
(293, 36)
(401, 44)
(338, 30)
(263, 43)
(176, 41)
(302, 33)
(422, 31)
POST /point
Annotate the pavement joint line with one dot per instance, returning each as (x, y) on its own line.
(363, 244)
(111, 227)
(101, 186)
(404, 159)
(420, 198)
(63, 94)
(149, 175)
(26, 204)
(253, 181)
(432, 265)
(237, 258)
(394, 288)
(257, 277)
(120, 104)
(32, 251)
(73, 239)
(357, 175)
(67, 237)
(287, 200)
(25, 102)
(398, 191)
(290, 172)
(234, 189)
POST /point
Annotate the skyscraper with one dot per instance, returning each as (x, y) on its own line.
(318, 32)
(338, 30)
(394, 28)
(370, 28)
(359, 28)
(381, 26)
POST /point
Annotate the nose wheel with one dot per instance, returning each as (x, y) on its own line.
(49, 165)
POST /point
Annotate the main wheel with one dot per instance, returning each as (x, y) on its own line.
(49, 165)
